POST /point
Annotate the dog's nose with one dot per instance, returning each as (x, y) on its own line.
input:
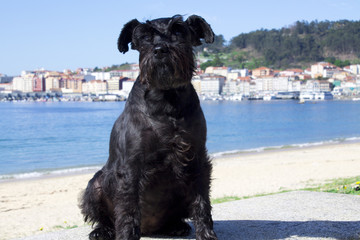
(160, 51)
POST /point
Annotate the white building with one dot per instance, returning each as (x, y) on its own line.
(294, 86)
(244, 87)
(113, 84)
(222, 71)
(230, 87)
(322, 69)
(133, 74)
(212, 84)
(52, 83)
(310, 86)
(24, 83)
(128, 85)
(101, 75)
(275, 84)
(196, 82)
(236, 73)
(355, 69)
(5, 87)
(280, 84)
(95, 87)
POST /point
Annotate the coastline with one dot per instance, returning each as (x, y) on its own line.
(79, 170)
(50, 203)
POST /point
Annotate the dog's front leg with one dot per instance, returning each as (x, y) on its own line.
(203, 222)
(127, 211)
(201, 207)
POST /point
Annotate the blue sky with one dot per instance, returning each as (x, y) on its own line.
(68, 34)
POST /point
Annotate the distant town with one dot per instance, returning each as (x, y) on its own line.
(321, 80)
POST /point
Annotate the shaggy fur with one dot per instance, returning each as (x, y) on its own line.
(158, 172)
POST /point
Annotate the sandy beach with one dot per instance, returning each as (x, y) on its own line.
(34, 206)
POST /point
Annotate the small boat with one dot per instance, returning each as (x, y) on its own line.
(267, 98)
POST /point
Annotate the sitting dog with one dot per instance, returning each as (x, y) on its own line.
(158, 172)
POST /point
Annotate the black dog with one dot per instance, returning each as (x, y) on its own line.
(158, 171)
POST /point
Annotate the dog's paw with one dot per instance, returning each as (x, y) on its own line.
(179, 229)
(102, 233)
(128, 233)
(206, 235)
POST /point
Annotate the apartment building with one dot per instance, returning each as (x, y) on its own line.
(262, 71)
(127, 85)
(23, 83)
(212, 84)
(94, 87)
(222, 71)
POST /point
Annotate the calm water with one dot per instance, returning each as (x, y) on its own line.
(48, 136)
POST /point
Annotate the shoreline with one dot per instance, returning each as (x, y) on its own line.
(80, 170)
(47, 204)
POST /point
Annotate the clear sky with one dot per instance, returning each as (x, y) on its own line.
(68, 34)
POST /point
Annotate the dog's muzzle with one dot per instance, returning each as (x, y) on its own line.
(160, 51)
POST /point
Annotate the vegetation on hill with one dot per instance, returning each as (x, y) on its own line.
(124, 66)
(298, 45)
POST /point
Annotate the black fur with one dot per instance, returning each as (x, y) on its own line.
(158, 172)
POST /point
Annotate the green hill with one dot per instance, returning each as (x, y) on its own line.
(298, 45)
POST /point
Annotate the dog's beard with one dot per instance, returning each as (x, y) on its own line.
(173, 71)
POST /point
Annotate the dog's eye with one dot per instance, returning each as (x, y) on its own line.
(146, 38)
(177, 32)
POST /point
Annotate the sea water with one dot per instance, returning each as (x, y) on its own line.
(65, 137)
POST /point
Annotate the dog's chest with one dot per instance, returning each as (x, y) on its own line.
(171, 139)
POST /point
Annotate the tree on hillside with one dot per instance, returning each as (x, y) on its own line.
(216, 47)
(301, 42)
(216, 62)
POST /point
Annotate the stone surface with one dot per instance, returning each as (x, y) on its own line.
(293, 215)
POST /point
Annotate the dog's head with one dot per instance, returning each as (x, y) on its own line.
(166, 48)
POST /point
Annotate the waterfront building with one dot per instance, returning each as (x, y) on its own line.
(294, 86)
(23, 83)
(38, 84)
(234, 74)
(101, 75)
(196, 82)
(244, 85)
(88, 77)
(323, 70)
(252, 88)
(5, 79)
(94, 87)
(271, 83)
(52, 81)
(324, 85)
(127, 85)
(230, 87)
(281, 84)
(114, 84)
(222, 71)
(316, 86)
(71, 84)
(212, 84)
(133, 74)
(5, 87)
(341, 75)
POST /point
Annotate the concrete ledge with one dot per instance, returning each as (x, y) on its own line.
(293, 215)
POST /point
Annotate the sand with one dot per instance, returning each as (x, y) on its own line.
(34, 206)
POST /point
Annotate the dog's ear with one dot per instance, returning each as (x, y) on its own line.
(200, 29)
(126, 35)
